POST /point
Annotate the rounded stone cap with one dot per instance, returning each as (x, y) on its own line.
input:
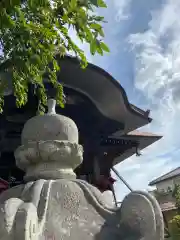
(50, 148)
(50, 126)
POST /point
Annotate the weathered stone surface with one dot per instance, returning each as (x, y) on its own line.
(50, 126)
(73, 209)
(53, 205)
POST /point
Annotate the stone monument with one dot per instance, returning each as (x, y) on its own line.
(53, 204)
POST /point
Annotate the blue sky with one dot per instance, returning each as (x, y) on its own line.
(144, 38)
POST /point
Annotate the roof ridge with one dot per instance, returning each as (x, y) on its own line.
(163, 176)
(137, 132)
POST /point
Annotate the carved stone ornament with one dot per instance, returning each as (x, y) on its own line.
(54, 205)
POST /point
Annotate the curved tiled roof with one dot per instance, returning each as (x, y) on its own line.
(103, 90)
(131, 107)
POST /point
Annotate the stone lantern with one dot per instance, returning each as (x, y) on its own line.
(53, 204)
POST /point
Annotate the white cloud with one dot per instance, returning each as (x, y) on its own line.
(122, 9)
(157, 77)
(158, 58)
(116, 13)
(157, 71)
(138, 172)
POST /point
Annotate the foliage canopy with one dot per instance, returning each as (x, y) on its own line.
(33, 32)
(175, 222)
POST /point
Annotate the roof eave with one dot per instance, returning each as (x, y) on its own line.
(165, 177)
(156, 138)
(143, 115)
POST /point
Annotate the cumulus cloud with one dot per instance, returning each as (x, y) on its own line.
(157, 69)
(114, 15)
(146, 35)
(157, 76)
(122, 9)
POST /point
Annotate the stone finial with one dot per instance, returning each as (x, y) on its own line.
(50, 148)
(51, 106)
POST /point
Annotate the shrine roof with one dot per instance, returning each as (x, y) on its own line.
(144, 140)
(143, 134)
(104, 91)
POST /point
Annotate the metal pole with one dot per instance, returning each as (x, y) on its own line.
(114, 196)
(122, 179)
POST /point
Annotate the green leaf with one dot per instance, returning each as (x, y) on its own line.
(65, 18)
(33, 32)
(93, 47)
(95, 26)
(100, 51)
(101, 3)
(99, 18)
(73, 4)
(104, 47)
(100, 31)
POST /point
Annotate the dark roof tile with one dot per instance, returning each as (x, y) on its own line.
(169, 175)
